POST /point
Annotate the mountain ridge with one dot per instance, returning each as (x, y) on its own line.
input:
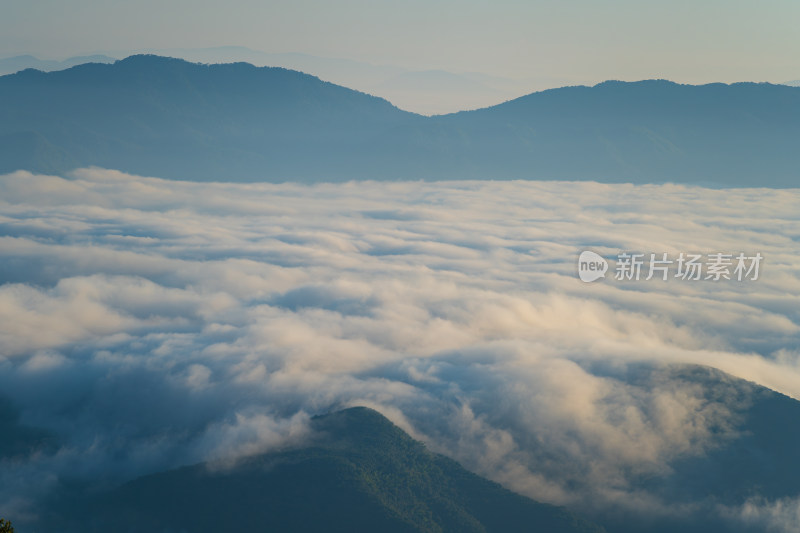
(170, 118)
(361, 473)
(357, 459)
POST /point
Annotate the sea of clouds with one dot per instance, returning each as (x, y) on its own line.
(147, 324)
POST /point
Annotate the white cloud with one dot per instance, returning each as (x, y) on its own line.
(454, 308)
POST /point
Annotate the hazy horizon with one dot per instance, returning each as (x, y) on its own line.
(523, 46)
(426, 92)
(684, 41)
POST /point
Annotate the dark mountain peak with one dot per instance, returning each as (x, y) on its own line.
(149, 64)
(363, 428)
(165, 65)
(152, 68)
(150, 59)
(665, 83)
(140, 61)
(359, 415)
(352, 417)
(656, 88)
(160, 76)
(27, 73)
(616, 84)
(374, 482)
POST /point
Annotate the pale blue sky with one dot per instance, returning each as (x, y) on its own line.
(588, 40)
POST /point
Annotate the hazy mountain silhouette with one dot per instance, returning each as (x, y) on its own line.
(362, 473)
(167, 117)
(424, 92)
(174, 119)
(745, 134)
(10, 65)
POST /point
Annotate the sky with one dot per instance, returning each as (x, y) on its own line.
(579, 40)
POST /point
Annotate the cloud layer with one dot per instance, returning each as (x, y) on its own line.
(147, 324)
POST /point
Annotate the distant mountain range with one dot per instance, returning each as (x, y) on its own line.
(234, 122)
(10, 65)
(427, 92)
